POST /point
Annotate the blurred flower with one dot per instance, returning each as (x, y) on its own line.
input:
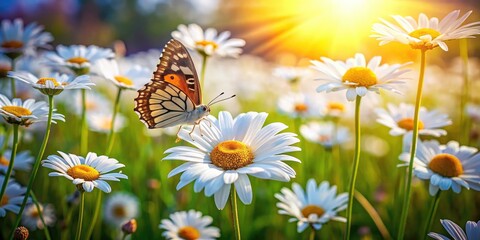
(31, 216)
(130, 227)
(208, 43)
(327, 134)
(78, 58)
(87, 173)
(102, 121)
(53, 84)
(427, 33)
(189, 225)
(119, 208)
(95, 102)
(125, 76)
(446, 166)
(298, 105)
(21, 233)
(147, 59)
(314, 207)
(291, 74)
(473, 112)
(5, 66)
(153, 184)
(227, 150)
(376, 146)
(400, 120)
(472, 231)
(357, 76)
(12, 198)
(15, 40)
(26, 113)
(23, 161)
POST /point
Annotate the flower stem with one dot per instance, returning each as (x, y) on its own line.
(12, 159)
(80, 216)
(408, 187)
(431, 214)
(36, 164)
(312, 233)
(12, 84)
(96, 212)
(233, 202)
(40, 214)
(464, 97)
(373, 214)
(112, 127)
(202, 73)
(83, 124)
(356, 160)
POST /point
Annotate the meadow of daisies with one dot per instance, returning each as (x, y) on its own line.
(356, 148)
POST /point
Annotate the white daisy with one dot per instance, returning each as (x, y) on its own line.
(78, 58)
(12, 198)
(189, 225)
(427, 33)
(357, 76)
(291, 74)
(23, 161)
(124, 76)
(26, 113)
(327, 134)
(314, 207)
(446, 166)
(31, 216)
(208, 43)
(297, 105)
(16, 40)
(102, 122)
(120, 208)
(472, 231)
(87, 173)
(228, 150)
(53, 84)
(400, 120)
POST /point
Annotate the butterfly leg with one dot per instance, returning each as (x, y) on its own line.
(190, 133)
(178, 138)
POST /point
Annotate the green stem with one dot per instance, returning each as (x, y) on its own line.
(408, 187)
(83, 125)
(40, 214)
(431, 214)
(202, 73)
(14, 91)
(36, 164)
(233, 202)
(356, 160)
(80, 216)
(12, 160)
(373, 214)
(464, 97)
(312, 233)
(96, 213)
(112, 127)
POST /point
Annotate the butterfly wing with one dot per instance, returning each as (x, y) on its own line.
(173, 92)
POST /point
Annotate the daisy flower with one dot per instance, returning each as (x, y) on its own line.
(78, 58)
(472, 231)
(314, 207)
(427, 33)
(26, 113)
(23, 161)
(189, 225)
(357, 76)
(326, 134)
(31, 216)
(446, 166)
(102, 122)
(16, 40)
(87, 173)
(226, 151)
(400, 120)
(208, 43)
(124, 76)
(120, 208)
(297, 105)
(12, 198)
(291, 74)
(53, 84)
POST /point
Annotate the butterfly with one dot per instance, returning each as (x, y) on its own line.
(174, 96)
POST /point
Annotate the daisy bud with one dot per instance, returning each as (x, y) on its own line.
(129, 227)
(153, 184)
(21, 233)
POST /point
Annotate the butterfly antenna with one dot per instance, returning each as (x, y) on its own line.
(210, 103)
(220, 100)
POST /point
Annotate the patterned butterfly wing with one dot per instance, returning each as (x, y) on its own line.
(173, 92)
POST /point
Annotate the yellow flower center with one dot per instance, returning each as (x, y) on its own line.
(361, 75)
(43, 81)
(77, 60)
(4, 69)
(323, 138)
(425, 44)
(106, 123)
(407, 124)
(84, 172)
(231, 155)
(4, 161)
(311, 209)
(301, 108)
(12, 44)
(189, 233)
(205, 43)
(446, 165)
(335, 106)
(124, 80)
(34, 213)
(17, 111)
(4, 200)
(119, 211)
